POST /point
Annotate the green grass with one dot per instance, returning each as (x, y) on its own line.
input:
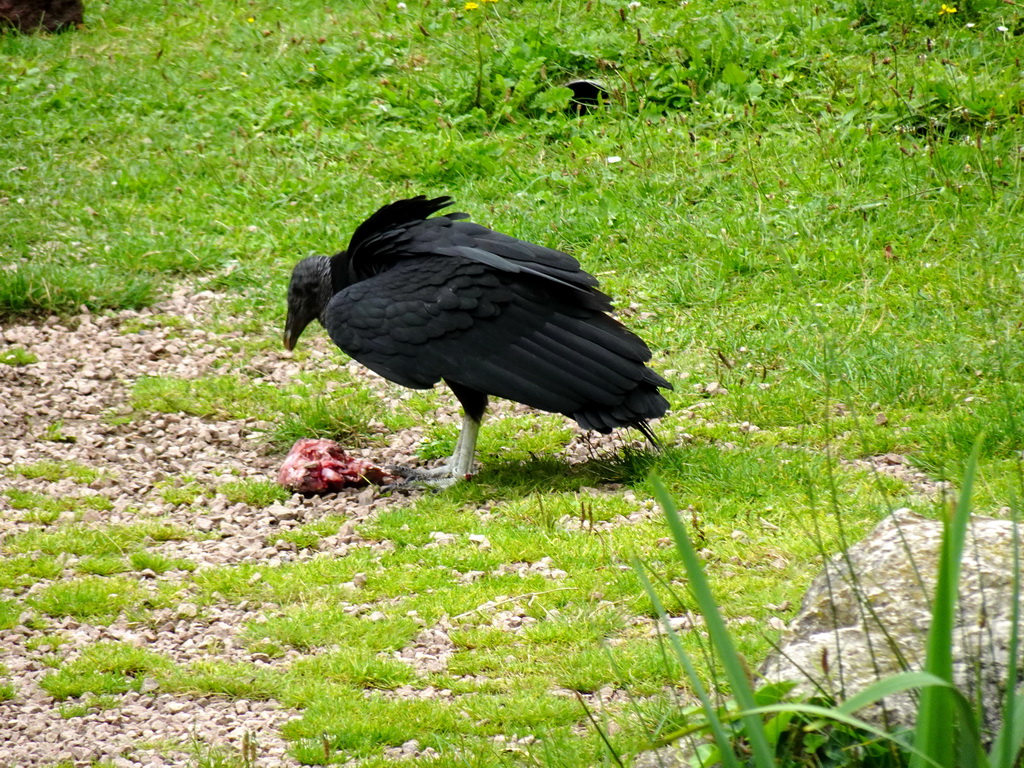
(7, 689)
(154, 561)
(103, 668)
(97, 599)
(9, 612)
(40, 508)
(20, 571)
(56, 470)
(816, 206)
(16, 356)
(81, 540)
(90, 704)
(255, 493)
(300, 409)
(181, 491)
(102, 565)
(315, 626)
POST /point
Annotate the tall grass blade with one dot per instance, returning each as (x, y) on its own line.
(1010, 740)
(888, 686)
(833, 714)
(925, 681)
(937, 712)
(717, 631)
(718, 731)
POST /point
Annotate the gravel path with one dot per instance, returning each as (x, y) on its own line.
(83, 375)
(72, 407)
(76, 391)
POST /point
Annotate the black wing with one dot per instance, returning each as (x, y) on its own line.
(383, 236)
(402, 230)
(519, 335)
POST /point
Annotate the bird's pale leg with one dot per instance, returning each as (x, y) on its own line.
(460, 466)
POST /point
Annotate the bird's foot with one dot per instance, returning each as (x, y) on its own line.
(435, 477)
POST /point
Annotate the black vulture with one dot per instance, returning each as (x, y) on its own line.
(419, 300)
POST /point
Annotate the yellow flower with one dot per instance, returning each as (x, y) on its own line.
(250, 19)
(947, 9)
(472, 6)
(488, 1)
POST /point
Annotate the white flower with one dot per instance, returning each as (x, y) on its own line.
(970, 25)
(633, 5)
(1001, 28)
(614, 159)
(402, 6)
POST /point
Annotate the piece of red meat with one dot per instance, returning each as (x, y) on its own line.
(321, 466)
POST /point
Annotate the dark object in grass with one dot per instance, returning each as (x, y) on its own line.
(419, 300)
(40, 15)
(587, 95)
(321, 466)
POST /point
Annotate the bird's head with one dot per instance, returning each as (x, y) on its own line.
(308, 295)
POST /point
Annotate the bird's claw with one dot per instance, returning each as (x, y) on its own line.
(435, 478)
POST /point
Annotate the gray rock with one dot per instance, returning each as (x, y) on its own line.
(866, 616)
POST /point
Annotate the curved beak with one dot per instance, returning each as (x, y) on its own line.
(293, 328)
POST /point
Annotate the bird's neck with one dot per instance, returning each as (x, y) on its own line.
(339, 276)
(324, 290)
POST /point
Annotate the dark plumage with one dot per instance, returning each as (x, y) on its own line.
(419, 300)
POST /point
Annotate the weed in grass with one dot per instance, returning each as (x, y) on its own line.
(221, 678)
(145, 323)
(89, 704)
(54, 433)
(9, 613)
(357, 667)
(96, 501)
(222, 397)
(56, 470)
(45, 288)
(154, 561)
(159, 530)
(268, 647)
(218, 756)
(297, 410)
(342, 415)
(104, 668)
(102, 565)
(40, 516)
(51, 641)
(44, 509)
(309, 627)
(301, 583)
(309, 535)
(79, 540)
(22, 571)
(181, 491)
(94, 598)
(254, 492)
(16, 356)
(38, 502)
